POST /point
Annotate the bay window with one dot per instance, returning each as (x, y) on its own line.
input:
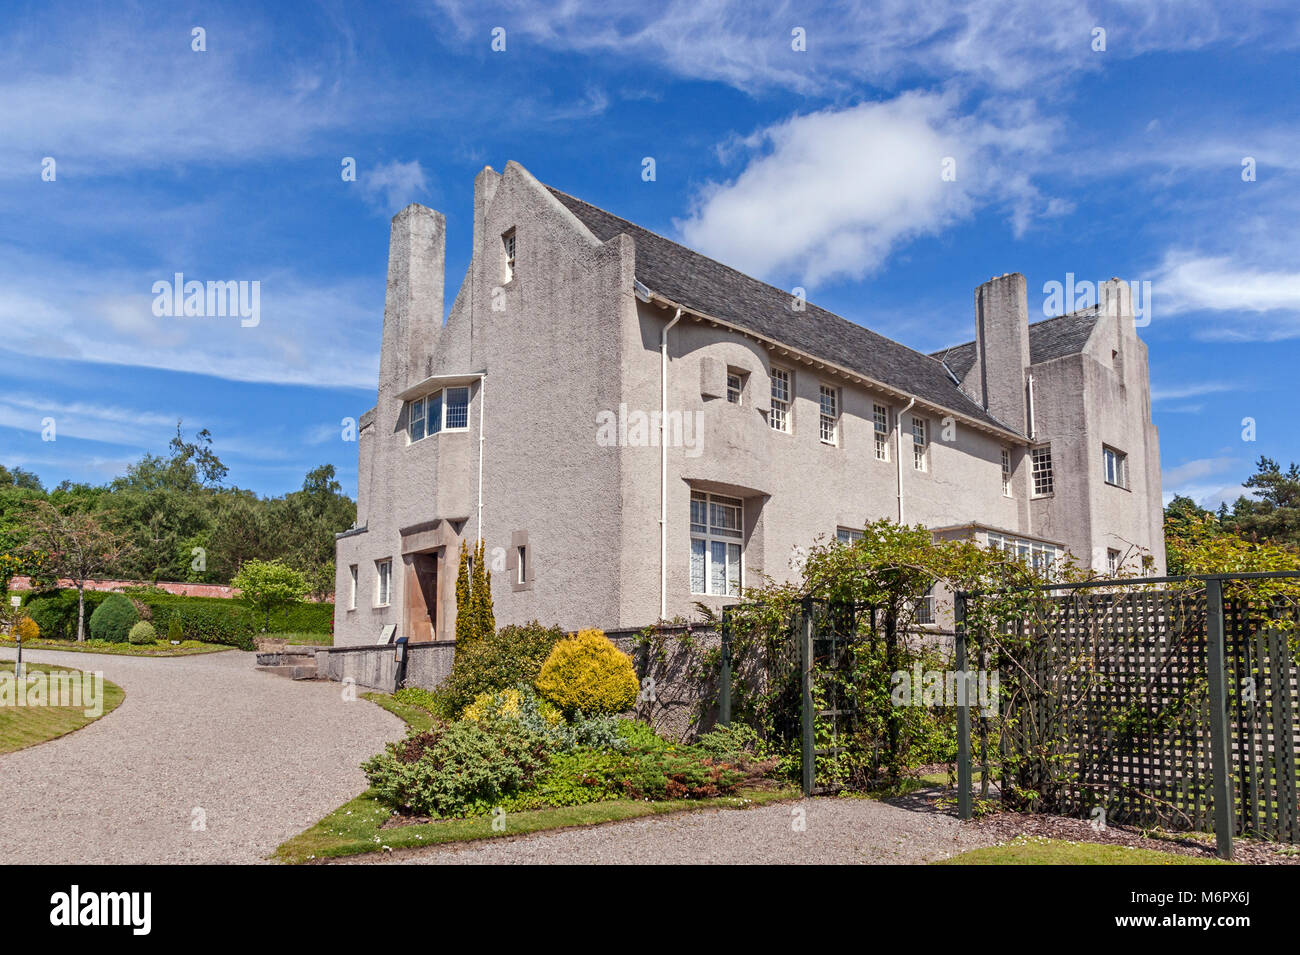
(717, 532)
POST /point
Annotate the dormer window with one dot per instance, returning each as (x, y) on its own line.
(508, 246)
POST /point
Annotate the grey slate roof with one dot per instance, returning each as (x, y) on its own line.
(711, 288)
(1048, 339)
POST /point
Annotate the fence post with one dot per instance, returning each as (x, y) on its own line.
(1220, 757)
(807, 756)
(724, 677)
(963, 710)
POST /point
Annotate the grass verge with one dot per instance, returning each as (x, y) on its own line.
(1031, 850)
(23, 726)
(355, 827)
(161, 648)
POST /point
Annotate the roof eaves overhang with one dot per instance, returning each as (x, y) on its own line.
(434, 382)
(847, 373)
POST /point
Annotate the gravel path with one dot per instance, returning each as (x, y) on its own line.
(264, 757)
(837, 831)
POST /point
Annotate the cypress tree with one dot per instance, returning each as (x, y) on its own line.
(465, 610)
(485, 618)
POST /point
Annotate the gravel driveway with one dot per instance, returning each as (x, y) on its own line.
(262, 756)
(836, 831)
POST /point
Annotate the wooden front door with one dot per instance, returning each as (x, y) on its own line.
(422, 597)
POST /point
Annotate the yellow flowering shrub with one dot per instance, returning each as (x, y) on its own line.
(500, 703)
(587, 672)
(27, 629)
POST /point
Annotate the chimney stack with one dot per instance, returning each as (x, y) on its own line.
(1002, 349)
(413, 303)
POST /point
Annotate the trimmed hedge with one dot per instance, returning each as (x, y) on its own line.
(211, 619)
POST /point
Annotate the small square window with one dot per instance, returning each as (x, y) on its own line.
(735, 386)
(1115, 464)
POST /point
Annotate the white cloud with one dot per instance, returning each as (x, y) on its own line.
(1190, 471)
(312, 332)
(1264, 304)
(1178, 392)
(394, 185)
(1004, 44)
(831, 193)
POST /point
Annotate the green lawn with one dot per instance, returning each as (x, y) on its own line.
(1027, 850)
(301, 639)
(23, 726)
(160, 648)
(354, 828)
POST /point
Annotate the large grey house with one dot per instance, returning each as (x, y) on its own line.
(632, 427)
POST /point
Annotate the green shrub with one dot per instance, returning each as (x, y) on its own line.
(730, 744)
(113, 619)
(507, 658)
(55, 611)
(586, 673)
(143, 634)
(433, 702)
(456, 769)
(175, 630)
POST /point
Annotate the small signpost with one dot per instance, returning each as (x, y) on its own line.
(16, 601)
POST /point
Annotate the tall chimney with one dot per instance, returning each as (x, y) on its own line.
(1002, 348)
(413, 303)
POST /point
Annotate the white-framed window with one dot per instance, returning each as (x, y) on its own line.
(920, 443)
(1039, 555)
(508, 246)
(717, 533)
(847, 535)
(779, 418)
(923, 609)
(736, 386)
(830, 415)
(1113, 561)
(1041, 461)
(383, 582)
(446, 410)
(1006, 472)
(1115, 464)
(880, 425)
(352, 588)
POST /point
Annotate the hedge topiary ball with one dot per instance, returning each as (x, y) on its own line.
(113, 619)
(587, 672)
(143, 634)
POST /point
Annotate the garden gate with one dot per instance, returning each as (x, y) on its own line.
(1162, 701)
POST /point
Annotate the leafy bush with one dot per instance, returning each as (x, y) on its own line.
(586, 673)
(425, 700)
(143, 634)
(730, 744)
(113, 619)
(27, 629)
(55, 611)
(507, 658)
(456, 769)
(175, 630)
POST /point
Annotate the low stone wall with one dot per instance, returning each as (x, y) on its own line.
(375, 667)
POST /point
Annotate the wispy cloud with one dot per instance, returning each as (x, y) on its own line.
(394, 185)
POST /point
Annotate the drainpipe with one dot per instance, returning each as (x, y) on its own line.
(1032, 428)
(482, 398)
(663, 466)
(898, 429)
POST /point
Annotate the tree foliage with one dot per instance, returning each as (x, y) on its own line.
(268, 585)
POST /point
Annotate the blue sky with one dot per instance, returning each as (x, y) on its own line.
(815, 168)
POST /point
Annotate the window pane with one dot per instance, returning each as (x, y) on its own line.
(699, 511)
(416, 423)
(457, 408)
(733, 570)
(717, 567)
(435, 413)
(697, 567)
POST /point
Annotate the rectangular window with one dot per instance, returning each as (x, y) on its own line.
(920, 443)
(508, 244)
(383, 582)
(1116, 466)
(924, 609)
(717, 529)
(735, 387)
(847, 535)
(352, 590)
(435, 413)
(1006, 472)
(880, 422)
(457, 413)
(830, 417)
(780, 416)
(1112, 561)
(521, 559)
(415, 420)
(1041, 459)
